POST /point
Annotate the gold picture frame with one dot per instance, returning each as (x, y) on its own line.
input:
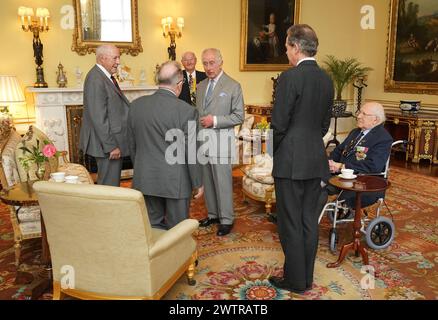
(83, 43)
(263, 33)
(412, 49)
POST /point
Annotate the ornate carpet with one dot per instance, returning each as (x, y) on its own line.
(237, 266)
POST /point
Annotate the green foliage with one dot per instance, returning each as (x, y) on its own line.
(36, 155)
(344, 72)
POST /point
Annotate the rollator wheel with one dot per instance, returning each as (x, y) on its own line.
(333, 239)
(380, 233)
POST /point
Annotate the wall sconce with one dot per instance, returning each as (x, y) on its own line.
(10, 93)
(169, 30)
(36, 25)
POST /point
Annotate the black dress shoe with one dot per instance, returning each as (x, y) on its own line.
(224, 229)
(208, 221)
(282, 284)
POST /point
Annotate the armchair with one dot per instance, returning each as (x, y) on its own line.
(26, 222)
(103, 233)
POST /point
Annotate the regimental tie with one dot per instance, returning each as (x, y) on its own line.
(192, 87)
(115, 83)
(352, 144)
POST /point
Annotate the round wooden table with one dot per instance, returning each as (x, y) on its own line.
(359, 185)
(23, 195)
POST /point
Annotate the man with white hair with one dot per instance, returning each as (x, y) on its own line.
(104, 133)
(191, 78)
(167, 185)
(365, 150)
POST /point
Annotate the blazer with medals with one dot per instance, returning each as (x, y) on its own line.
(185, 92)
(105, 116)
(370, 154)
(300, 118)
(227, 105)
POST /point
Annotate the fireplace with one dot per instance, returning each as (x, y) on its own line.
(59, 115)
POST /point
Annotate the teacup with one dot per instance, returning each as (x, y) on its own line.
(347, 173)
(71, 179)
(58, 176)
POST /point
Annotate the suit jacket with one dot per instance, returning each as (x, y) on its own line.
(374, 149)
(227, 105)
(150, 119)
(185, 92)
(104, 121)
(300, 118)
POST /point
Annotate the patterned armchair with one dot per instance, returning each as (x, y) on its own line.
(26, 221)
(257, 181)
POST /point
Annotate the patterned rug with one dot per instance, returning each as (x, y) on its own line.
(237, 266)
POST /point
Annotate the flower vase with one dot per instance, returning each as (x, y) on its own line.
(41, 172)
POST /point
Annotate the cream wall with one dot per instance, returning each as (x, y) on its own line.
(209, 23)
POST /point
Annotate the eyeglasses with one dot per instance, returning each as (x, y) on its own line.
(358, 113)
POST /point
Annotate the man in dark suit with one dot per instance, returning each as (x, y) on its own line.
(300, 118)
(220, 106)
(104, 132)
(365, 150)
(162, 128)
(192, 78)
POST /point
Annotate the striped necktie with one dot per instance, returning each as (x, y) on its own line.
(209, 92)
(115, 83)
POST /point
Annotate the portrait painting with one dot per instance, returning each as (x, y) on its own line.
(412, 54)
(263, 34)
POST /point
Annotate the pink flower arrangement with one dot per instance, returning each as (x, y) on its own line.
(49, 150)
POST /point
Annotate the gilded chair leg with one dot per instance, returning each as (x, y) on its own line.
(191, 269)
(57, 294)
(17, 248)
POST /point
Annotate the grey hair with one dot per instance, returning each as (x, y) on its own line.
(379, 112)
(304, 37)
(169, 73)
(104, 49)
(217, 54)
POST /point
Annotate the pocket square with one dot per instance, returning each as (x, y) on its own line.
(222, 94)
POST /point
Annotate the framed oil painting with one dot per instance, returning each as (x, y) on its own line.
(263, 34)
(412, 54)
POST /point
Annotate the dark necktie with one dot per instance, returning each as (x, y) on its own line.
(115, 83)
(352, 144)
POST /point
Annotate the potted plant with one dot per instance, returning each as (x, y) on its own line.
(343, 72)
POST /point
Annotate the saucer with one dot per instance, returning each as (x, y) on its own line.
(350, 178)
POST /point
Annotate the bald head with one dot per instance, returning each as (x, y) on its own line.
(108, 56)
(371, 114)
(169, 75)
(188, 60)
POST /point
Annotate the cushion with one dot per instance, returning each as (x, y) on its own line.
(30, 140)
(8, 162)
(256, 188)
(5, 128)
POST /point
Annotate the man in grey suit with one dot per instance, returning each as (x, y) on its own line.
(163, 169)
(104, 132)
(220, 105)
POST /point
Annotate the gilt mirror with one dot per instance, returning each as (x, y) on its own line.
(106, 21)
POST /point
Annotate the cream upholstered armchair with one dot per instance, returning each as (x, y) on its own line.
(104, 235)
(26, 221)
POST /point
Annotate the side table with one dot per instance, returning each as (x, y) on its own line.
(359, 185)
(22, 195)
(335, 141)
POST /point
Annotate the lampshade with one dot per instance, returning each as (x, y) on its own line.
(10, 90)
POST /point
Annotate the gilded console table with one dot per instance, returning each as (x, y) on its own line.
(420, 130)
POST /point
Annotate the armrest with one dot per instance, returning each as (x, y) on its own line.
(64, 156)
(170, 238)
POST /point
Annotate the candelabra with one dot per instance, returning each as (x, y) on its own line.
(36, 23)
(169, 31)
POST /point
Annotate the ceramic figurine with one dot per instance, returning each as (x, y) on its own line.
(61, 79)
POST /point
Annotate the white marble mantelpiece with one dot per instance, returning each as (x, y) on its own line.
(51, 105)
